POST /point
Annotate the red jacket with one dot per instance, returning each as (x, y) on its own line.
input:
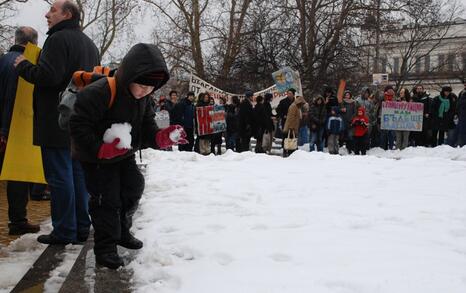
(360, 123)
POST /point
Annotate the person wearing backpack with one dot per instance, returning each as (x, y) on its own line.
(66, 50)
(112, 177)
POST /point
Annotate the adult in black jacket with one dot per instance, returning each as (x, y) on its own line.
(423, 138)
(461, 112)
(442, 113)
(232, 119)
(17, 192)
(112, 176)
(260, 123)
(65, 51)
(317, 118)
(183, 114)
(246, 122)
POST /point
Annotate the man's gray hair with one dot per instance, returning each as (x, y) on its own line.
(25, 34)
(73, 8)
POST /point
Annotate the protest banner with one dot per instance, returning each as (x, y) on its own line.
(287, 78)
(23, 160)
(210, 119)
(198, 85)
(402, 116)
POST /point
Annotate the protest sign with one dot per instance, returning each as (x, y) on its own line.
(23, 160)
(341, 90)
(380, 78)
(162, 119)
(402, 116)
(210, 119)
(287, 78)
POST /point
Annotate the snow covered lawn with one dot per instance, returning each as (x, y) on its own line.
(387, 222)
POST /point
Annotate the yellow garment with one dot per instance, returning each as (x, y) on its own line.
(23, 160)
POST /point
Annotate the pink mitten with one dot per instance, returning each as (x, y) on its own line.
(173, 134)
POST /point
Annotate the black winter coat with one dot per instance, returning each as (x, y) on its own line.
(317, 116)
(268, 117)
(446, 122)
(8, 85)
(282, 110)
(232, 119)
(246, 119)
(65, 51)
(93, 117)
(427, 101)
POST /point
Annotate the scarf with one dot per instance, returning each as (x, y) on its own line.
(444, 106)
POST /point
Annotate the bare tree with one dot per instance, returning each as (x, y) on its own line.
(8, 9)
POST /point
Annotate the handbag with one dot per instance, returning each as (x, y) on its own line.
(290, 144)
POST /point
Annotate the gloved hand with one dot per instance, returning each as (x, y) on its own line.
(110, 151)
(173, 134)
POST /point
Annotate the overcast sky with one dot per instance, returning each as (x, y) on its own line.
(33, 12)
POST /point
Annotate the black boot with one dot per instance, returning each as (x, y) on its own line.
(110, 260)
(52, 240)
(22, 228)
(130, 242)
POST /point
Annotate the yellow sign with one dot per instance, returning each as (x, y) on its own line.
(23, 160)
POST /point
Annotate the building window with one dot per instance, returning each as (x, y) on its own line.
(418, 65)
(451, 62)
(427, 63)
(384, 65)
(396, 65)
(441, 62)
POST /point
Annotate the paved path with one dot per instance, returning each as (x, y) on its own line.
(38, 211)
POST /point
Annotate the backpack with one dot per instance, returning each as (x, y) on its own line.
(79, 80)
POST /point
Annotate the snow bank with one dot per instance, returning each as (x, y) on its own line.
(309, 223)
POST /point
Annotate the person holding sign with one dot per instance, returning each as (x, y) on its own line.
(17, 192)
(402, 137)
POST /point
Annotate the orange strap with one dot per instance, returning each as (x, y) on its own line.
(102, 70)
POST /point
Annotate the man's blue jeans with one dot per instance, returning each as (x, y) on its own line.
(68, 195)
(317, 140)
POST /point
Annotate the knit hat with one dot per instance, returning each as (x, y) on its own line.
(249, 94)
(151, 79)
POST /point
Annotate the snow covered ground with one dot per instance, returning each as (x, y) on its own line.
(387, 222)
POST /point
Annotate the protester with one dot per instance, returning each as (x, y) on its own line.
(246, 122)
(461, 112)
(112, 176)
(293, 119)
(348, 108)
(387, 137)
(267, 138)
(17, 192)
(65, 51)
(402, 136)
(202, 142)
(443, 111)
(335, 127)
(283, 106)
(232, 119)
(303, 131)
(360, 123)
(373, 130)
(217, 138)
(184, 115)
(170, 104)
(260, 121)
(317, 118)
(423, 138)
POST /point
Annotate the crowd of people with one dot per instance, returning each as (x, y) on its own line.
(91, 180)
(323, 121)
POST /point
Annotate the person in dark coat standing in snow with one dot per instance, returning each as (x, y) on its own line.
(246, 122)
(66, 50)
(17, 192)
(112, 176)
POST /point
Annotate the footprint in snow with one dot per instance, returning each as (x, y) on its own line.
(223, 259)
(280, 257)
